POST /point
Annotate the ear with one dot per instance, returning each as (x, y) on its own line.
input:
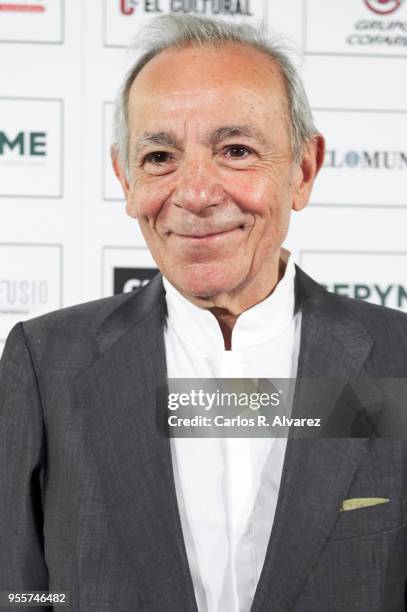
(122, 176)
(312, 160)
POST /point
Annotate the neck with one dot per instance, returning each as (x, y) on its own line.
(226, 322)
(226, 308)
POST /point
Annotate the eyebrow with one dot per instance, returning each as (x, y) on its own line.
(167, 139)
(236, 131)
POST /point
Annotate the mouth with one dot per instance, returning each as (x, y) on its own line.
(209, 236)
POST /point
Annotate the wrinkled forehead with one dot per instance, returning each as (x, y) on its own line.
(233, 79)
(187, 69)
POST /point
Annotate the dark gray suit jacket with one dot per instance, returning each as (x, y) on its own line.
(87, 497)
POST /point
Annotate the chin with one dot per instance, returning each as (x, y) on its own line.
(206, 282)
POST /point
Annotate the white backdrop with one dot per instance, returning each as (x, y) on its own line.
(64, 235)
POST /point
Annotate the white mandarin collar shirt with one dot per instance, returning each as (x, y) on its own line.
(227, 488)
(259, 324)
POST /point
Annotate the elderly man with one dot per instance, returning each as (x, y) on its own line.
(215, 145)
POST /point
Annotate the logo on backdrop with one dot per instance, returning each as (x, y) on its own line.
(126, 268)
(366, 27)
(202, 7)
(22, 8)
(123, 17)
(366, 162)
(385, 294)
(129, 279)
(29, 144)
(379, 32)
(30, 147)
(19, 296)
(127, 7)
(26, 21)
(30, 282)
(369, 160)
(383, 7)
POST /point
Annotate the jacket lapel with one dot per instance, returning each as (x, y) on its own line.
(317, 472)
(119, 397)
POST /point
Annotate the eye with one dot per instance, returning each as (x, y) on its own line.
(158, 158)
(237, 151)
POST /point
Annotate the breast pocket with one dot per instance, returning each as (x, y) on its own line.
(372, 519)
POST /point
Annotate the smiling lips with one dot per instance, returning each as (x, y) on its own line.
(207, 235)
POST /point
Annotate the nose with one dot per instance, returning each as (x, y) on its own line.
(198, 186)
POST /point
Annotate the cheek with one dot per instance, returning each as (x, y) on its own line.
(147, 200)
(260, 195)
(269, 200)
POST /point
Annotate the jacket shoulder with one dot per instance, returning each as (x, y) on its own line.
(74, 336)
(386, 327)
(377, 319)
(67, 338)
(356, 321)
(80, 319)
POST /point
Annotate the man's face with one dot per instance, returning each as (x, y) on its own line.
(211, 174)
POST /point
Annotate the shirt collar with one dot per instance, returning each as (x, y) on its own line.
(261, 323)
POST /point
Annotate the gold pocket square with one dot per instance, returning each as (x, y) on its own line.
(362, 502)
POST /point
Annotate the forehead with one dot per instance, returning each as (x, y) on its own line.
(234, 79)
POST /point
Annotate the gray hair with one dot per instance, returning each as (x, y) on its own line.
(178, 31)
